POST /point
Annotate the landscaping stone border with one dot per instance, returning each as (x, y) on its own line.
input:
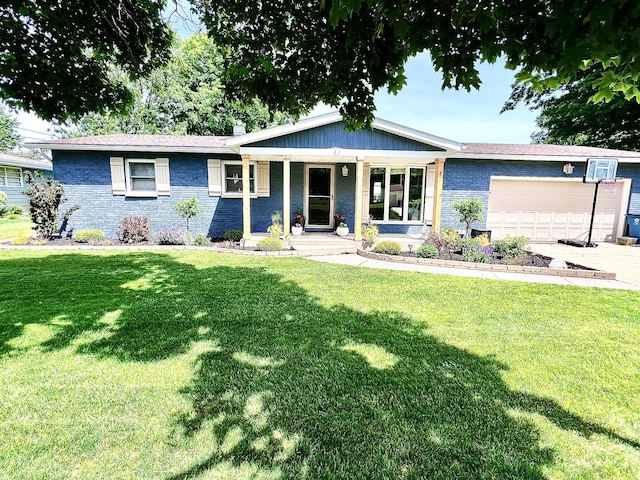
(598, 274)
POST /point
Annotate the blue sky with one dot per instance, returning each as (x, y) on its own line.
(457, 115)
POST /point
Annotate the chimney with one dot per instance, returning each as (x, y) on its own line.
(238, 129)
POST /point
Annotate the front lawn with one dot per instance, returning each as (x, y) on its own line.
(12, 228)
(187, 364)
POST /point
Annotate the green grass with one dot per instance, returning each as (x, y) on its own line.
(10, 229)
(199, 365)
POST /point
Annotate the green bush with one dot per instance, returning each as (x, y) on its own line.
(134, 229)
(199, 239)
(470, 211)
(3, 203)
(15, 210)
(427, 251)
(474, 251)
(86, 236)
(387, 246)
(45, 198)
(511, 248)
(269, 245)
(13, 216)
(233, 235)
(188, 208)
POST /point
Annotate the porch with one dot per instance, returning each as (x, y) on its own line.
(328, 243)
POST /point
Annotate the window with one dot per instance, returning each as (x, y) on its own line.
(232, 179)
(141, 176)
(396, 194)
(10, 177)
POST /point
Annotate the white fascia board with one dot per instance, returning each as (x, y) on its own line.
(535, 158)
(417, 135)
(129, 148)
(338, 152)
(282, 130)
(45, 165)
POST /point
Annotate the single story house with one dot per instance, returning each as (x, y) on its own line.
(403, 178)
(12, 168)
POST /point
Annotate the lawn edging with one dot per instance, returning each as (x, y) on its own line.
(556, 272)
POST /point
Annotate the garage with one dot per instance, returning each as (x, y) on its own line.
(548, 209)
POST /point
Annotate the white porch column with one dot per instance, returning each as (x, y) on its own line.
(357, 220)
(437, 196)
(286, 194)
(246, 198)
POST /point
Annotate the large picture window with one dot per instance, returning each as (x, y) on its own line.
(232, 179)
(396, 194)
(10, 177)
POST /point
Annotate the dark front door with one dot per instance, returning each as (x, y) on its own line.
(319, 205)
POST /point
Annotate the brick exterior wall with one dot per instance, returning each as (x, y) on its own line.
(465, 179)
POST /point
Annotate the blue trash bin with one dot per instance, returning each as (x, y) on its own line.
(634, 225)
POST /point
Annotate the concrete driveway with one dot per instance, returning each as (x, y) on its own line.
(624, 261)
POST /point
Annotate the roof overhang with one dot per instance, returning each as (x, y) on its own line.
(307, 124)
(538, 158)
(24, 162)
(129, 148)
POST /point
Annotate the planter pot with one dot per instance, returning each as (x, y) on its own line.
(342, 231)
(296, 231)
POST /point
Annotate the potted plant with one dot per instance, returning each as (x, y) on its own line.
(298, 223)
(342, 230)
(276, 229)
(370, 232)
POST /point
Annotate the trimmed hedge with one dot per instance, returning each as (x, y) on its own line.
(388, 247)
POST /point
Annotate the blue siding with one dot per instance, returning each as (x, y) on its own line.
(334, 135)
(471, 178)
(15, 195)
(628, 170)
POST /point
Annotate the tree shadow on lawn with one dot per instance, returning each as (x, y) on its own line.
(291, 388)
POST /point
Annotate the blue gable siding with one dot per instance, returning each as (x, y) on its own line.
(15, 195)
(471, 178)
(334, 135)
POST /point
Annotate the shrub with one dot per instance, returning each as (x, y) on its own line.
(269, 245)
(473, 251)
(87, 236)
(15, 210)
(199, 239)
(171, 236)
(427, 251)
(387, 246)
(45, 198)
(22, 237)
(3, 203)
(511, 248)
(470, 211)
(134, 229)
(188, 208)
(233, 235)
(13, 216)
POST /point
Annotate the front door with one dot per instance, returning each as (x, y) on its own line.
(319, 198)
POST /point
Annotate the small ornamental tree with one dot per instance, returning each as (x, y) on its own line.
(45, 198)
(470, 211)
(188, 208)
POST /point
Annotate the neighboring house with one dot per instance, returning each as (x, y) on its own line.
(12, 168)
(404, 178)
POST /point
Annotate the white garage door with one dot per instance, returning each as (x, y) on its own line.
(544, 209)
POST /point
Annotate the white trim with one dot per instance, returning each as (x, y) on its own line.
(332, 196)
(129, 148)
(140, 193)
(337, 154)
(536, 179)
(334, 117)
(4, 183)
(534, 158)
(224, 193)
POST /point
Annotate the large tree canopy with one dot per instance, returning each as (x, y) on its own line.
(568, 117)
(184, 97)
(293, 55)
(56, 56)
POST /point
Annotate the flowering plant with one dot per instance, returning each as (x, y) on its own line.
(339, 219)
(299, 219)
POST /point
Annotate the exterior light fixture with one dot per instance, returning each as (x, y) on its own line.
(567, 169)
(345, 171)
